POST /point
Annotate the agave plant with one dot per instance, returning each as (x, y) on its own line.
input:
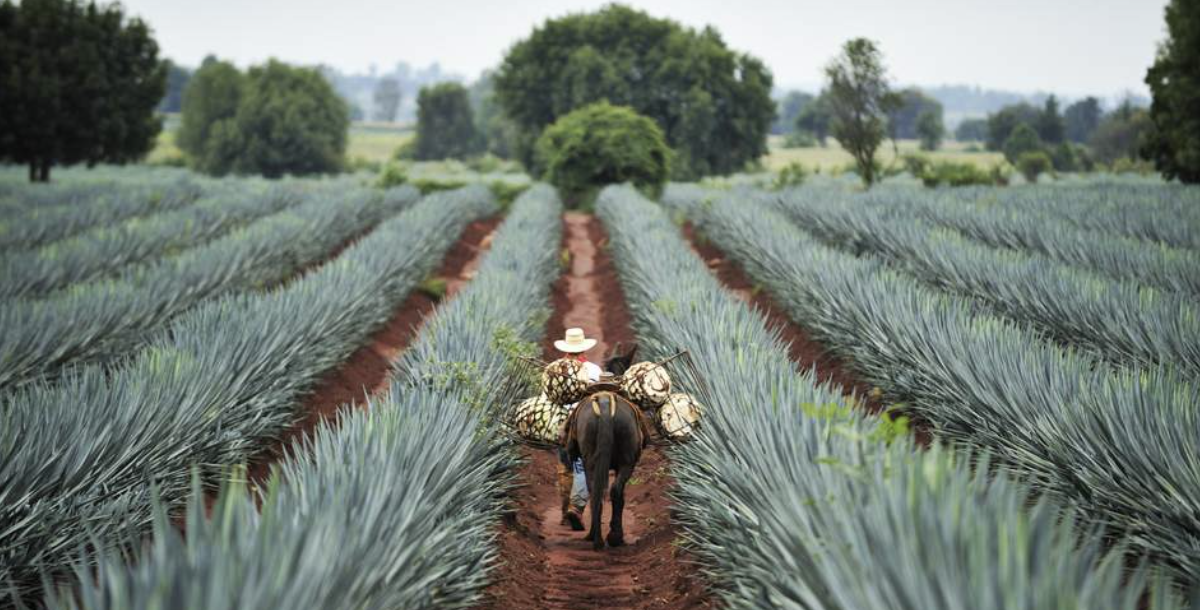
(395, 506)
(73, 208)
(82, 456)
(1116, 444)
(106, 250)
(792, 499)
(105, 321)
(1115, 320)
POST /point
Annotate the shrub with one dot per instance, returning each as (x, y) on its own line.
(603, 144)
(1033, 164)
(956, 174)
(392, 175)
(792, 174)
(800, 139)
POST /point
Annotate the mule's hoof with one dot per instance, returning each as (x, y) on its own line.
(615, 539)
(591, 536)
(598, 544)
(575, 521)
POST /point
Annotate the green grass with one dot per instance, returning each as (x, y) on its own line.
(834, 157)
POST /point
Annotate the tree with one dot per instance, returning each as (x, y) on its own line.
(1023, 140)
(445, 125)
(1002, 123)
(387, 99)
(902, 121)
(177, 80)
(1121, 134)
(499, 134)
(78, 84)
(603, 144)
(212, 97)
(815, 118)
(788, 109)
(289, 121)
(1081, 119)
(274, 120)
(930, 130)
(860, 99)
(972, 130)
(713, 104)
(1049, 124)
(1174, 80)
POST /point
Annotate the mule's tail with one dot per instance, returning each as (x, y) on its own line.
(601, 462)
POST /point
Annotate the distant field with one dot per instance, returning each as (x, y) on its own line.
(833, 156)
(368, 141)
(377, 142)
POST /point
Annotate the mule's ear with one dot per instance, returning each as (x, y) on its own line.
(632, 352)
(616, 350)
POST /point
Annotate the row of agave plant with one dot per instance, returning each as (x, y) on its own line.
(1146, 211)
(84, 458)
(102, 321)
(1115, 320)
(393, 507)
(792, 499)
(105, 250)
(1168, 266)
(1113, 443)
(36, 215)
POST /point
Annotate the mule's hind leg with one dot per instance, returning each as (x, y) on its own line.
(616, 531)
(593, 532)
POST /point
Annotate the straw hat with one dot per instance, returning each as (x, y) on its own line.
(575, 342)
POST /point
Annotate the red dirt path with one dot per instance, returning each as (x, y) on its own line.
(545, 564)
(367, 371)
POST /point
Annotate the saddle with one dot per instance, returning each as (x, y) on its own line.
(644, 423)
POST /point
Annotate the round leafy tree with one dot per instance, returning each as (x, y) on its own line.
(275, 120)
(714, 105)
(445, 124)
(603, 144)
(78, 84)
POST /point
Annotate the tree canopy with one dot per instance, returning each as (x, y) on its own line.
(815, 118)
(713, 104)
(903, 120)
(445, 124)
(603, 144)
(387, 96)
(1174, 80)
(274, 120)
(971, 130)
(860, 100)
(1081, 119)
(789, 107)
(79, 84)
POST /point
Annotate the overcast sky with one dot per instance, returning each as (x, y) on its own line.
(1071, 47)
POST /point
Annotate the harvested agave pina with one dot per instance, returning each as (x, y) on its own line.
(565, 381)
(539, 419)
(679, 416)
(647, 384)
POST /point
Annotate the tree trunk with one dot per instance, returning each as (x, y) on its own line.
(44, 173)
(33, 171)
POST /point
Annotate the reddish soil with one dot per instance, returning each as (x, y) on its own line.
(366, 372)
(547, 565)
(805, 351)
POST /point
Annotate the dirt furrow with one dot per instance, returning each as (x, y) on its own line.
(367, 371)
(544, 564)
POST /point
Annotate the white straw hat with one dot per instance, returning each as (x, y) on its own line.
(575, 343)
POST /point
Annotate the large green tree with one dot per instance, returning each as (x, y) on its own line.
(78, 84)
(445, 124)
(713, 104)
(1121, 134)
(815, 118)
(860, 99)
(1003, 122)
(1174, 80)
(274, 120)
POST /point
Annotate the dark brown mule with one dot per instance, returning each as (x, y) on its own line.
(607, 433)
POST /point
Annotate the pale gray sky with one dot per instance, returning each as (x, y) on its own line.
(1072, 47)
